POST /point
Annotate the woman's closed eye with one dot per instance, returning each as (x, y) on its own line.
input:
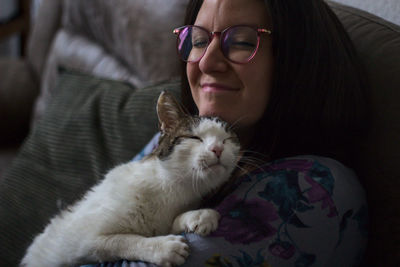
(200, 42)
(242, 45)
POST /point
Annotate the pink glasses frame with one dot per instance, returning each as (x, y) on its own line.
(211, 35)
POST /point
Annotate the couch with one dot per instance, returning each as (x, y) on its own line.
(125, 52)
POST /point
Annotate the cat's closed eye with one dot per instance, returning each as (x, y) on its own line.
(178, 138)
(195, 138)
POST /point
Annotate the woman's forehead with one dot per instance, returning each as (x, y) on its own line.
(216, 15)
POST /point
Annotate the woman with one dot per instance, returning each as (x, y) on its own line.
(314, 95)
(285, 74)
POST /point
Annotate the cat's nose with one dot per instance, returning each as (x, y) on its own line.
(217, 150)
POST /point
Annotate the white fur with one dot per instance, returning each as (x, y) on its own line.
(132, 212)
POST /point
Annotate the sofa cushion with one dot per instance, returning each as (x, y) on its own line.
(91, 126)
(127, 40)
(378, 43)
(78, 52)
(138, 33)
(387, 9)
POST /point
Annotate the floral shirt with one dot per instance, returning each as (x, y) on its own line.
(300, 211)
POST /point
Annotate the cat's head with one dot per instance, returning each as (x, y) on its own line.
(201, 150)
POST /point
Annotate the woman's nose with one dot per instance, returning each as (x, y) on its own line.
(213, 59)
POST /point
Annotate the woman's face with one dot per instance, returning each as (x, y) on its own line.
(238, 93)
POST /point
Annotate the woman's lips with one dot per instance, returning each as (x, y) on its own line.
(216, 87)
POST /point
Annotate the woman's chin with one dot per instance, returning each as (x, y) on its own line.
(223, 115)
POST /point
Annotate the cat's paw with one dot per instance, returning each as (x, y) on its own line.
(170, 250)
(201, 222)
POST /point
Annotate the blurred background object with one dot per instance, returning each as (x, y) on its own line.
(34, 7)
(14, 27)
(9, 46)
(16, 96)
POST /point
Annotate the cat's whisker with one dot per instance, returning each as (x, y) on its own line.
(232, 126)
(253, 161)
(198, 181)
(252, 164)
(253, 155)
(241, 168)
(194, 181)
(247, 163)
(250, 151)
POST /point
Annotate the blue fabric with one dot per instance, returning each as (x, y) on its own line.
(148, 148)
(300, 211)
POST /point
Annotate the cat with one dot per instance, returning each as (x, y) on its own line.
(139, 210)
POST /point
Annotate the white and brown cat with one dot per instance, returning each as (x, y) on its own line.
(139, 209)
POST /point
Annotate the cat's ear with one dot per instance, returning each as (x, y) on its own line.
(169, 112)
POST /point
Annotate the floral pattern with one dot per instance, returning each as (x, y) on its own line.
(282, 249)
(243, 260)
(245, 221)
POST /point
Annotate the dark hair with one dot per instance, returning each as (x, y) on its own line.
(318, 102)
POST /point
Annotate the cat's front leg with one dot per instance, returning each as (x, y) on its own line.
(166, 251)
(202, 222)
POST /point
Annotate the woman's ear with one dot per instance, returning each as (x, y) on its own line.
(169, 112)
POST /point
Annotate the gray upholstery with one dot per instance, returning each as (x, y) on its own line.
(378, 43)
(387, 9)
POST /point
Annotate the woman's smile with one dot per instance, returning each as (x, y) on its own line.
(217, 87)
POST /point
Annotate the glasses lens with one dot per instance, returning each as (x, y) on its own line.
(240, 43)
(192, 43)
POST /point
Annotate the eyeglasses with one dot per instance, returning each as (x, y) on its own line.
(239, 44)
